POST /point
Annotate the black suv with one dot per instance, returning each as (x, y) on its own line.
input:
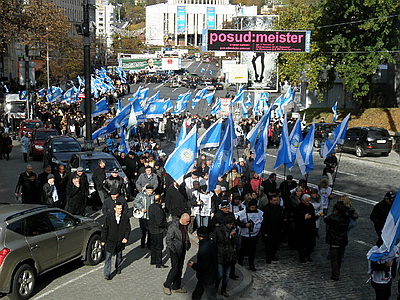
(322, 132)
(367, 140)
(58, 150)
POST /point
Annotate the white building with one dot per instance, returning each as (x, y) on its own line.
(181, 22)
(105, 21)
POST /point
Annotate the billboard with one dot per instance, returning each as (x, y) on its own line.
(181, 19)
(137, 64)
(225, 107)
(171, 63)
(249, 40)
(238, 73)
(210, 17)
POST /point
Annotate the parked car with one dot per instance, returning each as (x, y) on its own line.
(322, 132)
(209, 85)
(89, 161)
(367, 140)
(172, 84)
(38, 139)
(28, 126)
(58, 150)
(36, 238)
(218, 86)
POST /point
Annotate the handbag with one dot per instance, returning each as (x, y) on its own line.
(352, 223)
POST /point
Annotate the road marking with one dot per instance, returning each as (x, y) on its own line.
(68, 282)
(174, 90)
(369, 245)
(350, 174)
(158, 86)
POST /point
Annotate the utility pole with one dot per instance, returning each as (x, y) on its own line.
(88, 143)
(27, 82)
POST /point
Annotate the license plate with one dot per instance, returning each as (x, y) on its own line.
(381, 141)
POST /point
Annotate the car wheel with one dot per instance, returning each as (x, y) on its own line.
(317, 143)
(23, 283)
(385, 153)
(94, 251)
(360, 151)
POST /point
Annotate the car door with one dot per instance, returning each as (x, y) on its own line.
(349, 143)
(70, 234)
(42, 240)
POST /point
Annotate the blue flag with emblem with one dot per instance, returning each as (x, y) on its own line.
(101, 108)
(123, 145)
(304, 155)
(252, 135)
(288, 97)
(295, 138)
(155, 109)
(224, 156)
(337, 137)
(182, 159)
(70, 95)
(211, 137)
(209, 97)
(284, 154)
(335, 114)
(261, 148)
(182, 133)
(109, 128)
(199, 95)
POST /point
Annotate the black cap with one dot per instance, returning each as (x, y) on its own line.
(390, 195)
(289, 177)
(225, 203)
(203, 231)
(252, 203)
(302, 181)
(114, 170)
(50, 176)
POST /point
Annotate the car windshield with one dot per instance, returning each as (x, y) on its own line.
(33, 124)
(66, 146)
(90, 164)
(43, 135)
(378, 134)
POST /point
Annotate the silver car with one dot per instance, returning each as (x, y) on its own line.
(35, 239)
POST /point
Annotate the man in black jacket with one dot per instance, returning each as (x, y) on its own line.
(50, 193)
(336, 237)
(157, 225)
(114, 235)
(206, 266)
(175, 201)
(380, 213)
(114, 181)
(109, 203)
(99, 175)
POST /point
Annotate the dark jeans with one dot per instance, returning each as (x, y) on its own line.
(25, 155)
(156, 249)
(382, 291)
(174, 277)
(249, 245)
(107, 262)
(208, 289)
(145, 231)
(224, 271)
(336, 260)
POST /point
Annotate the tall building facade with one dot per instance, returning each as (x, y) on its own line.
(181, 22)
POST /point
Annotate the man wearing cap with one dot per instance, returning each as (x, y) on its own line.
(178, 243)
(142, 202)
(49, 192)
(221, 213)
(111, 199)
(147, 178)
(380, 212)
(83, 181)
(114, 181)
(206, 266)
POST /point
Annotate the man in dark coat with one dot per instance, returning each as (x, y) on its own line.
(114, 181)
(206, 266)
(157, 225)
(336, 237)
(76, 201)
(114, 235)
(109, 203)
(99, 175)
(83, 182)
(42, 177)
(178, 243)
(272, 228)
(61, 181)
(27, 186)
(175, 201)
(304, 216)
(270, 185)
(50, 192)
(380, 212)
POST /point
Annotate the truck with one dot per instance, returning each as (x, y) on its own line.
(14, 112)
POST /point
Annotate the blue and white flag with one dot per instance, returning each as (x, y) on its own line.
(390, 232)
(42, 92)
(23, 95)
(143, 93)
(155, 110)
(154, 98)
(123, 145)
(119, 106)
(247, 103)
(182, 133)
(81, 81)
(224, 156)
(256, 106)
(101, 108)
(209, 98)
(168, 105)
(132, 120)
(279, 111)
(296, 137)
(335, 114)
(181, 102)
(211, 137)
(6, 89)
(239, 97)
(261, 148)
(202, 70)
(182, 159)
(252, 135)
(70, 95)
(55, 94)
(338, 136)
(216, 107)
(109, 128)
(244, 110)
(284, 155)
(288, 97)
(199, 95)
(210, 72)
(304, 154)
